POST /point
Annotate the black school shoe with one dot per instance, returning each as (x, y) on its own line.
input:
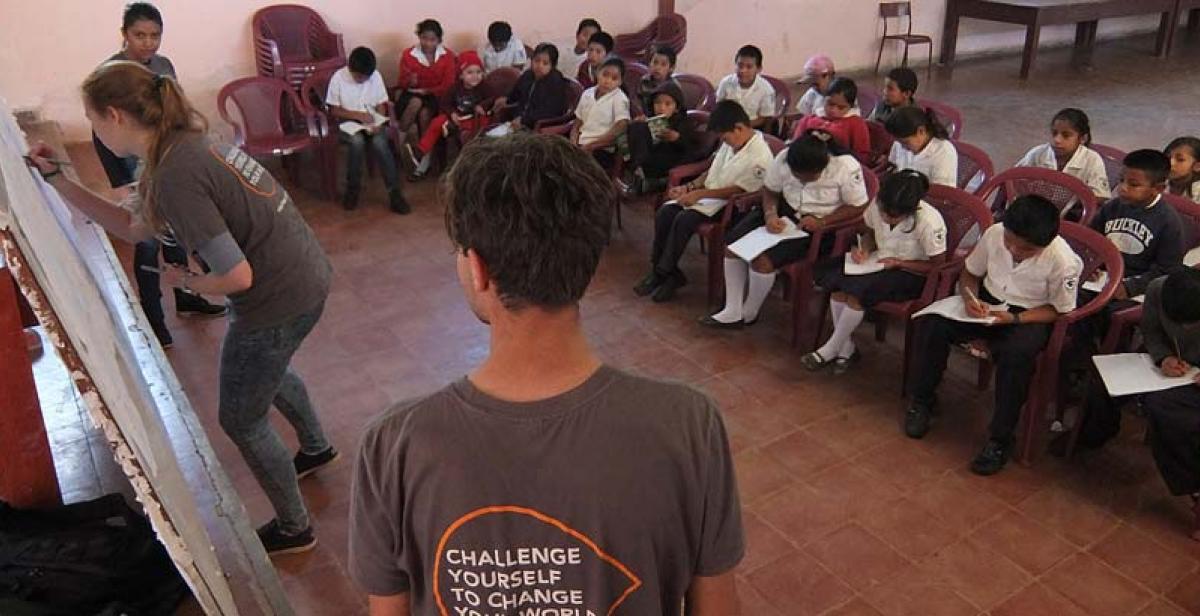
(350, 199)
(191, 305)
(647, 285)
(397, 202)
(307, 464)
(666, 291)
(917, 420)
(992, 458)
(276, 542)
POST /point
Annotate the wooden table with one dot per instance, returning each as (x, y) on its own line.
(1085, 14)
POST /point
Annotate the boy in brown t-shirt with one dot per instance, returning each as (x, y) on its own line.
(544, 482)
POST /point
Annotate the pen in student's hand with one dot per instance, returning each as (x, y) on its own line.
(55, 161)
(972, 298)
(859, 237)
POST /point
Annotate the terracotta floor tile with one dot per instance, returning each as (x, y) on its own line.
(854, 490)
(1096, 587)
(1037, 600)
(802, 455)
(1186, 594)
(857, 557)
(802, 514)
(961, 506)
(913, 530)
(853, 431)
(752, 601)
(984, 577)
(1162, 607)
(904, 466)
(1075, 519)
(798, 585)
(1135, 554)
(914, 593)
(758, 475)
(856, 607)
(1024, 541)
(763, 543)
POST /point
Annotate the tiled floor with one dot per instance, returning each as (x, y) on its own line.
(843, 514)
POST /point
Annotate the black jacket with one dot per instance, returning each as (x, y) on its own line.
(539, 99)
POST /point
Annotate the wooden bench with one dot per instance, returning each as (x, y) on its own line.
(1085, 14)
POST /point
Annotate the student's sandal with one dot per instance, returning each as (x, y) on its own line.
(813, 362)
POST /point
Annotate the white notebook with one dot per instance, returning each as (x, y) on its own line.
(760, 240)
(953, 308)
(1135, 373)
(870, 266)
(707, 206)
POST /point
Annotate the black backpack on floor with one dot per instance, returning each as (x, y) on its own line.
(90, 558)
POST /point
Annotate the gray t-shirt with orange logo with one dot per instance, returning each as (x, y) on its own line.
(612, 495)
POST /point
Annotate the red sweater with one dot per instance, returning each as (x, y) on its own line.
(438, 78)
(850, 131)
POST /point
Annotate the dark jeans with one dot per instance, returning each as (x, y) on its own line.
(674, 227)
(1174, 419)
(356, 157)
(149, 291)
(1013, 348)
(255, 373)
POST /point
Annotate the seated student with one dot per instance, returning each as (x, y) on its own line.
(748, 88)
(1171, 329)
(1149, 234)
(357, 94)
(503, 48)
(899, 90)
(818, 73)
(1023, 275)
(1185, 167)
(575, 52)
(841, 119)
(540, 93)
(1068, 151)
(922, 144)
(652, 158)
(906, 235)
(544, 452)
(738, 166)
(812, 184)
(427, 72)
(599, 48)
(662, 69)
(465, 108)
(602, 113)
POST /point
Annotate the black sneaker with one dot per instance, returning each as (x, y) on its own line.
(192, 305)
(307, 464)
(350, 199)
(992, 458)
(666, 291)
(276, 542)
(397, 202)
(648, 284)
(916, 421)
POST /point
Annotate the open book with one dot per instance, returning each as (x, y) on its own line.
(954, 309)
(760, 240)
(707, 206)
(870, 266)
(1135, 373)
(657, 125)
(350, 127)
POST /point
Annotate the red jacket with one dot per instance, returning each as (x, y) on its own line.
(584, 75)
(438, 78)
(850, 131)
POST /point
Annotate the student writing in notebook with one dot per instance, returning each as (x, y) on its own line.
(1024, 266)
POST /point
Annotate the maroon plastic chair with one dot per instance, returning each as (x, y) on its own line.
(698, 92)
(900, 10)
(670, 29)
(805, 325)
(949, 116)
(292, 41)
(867, 102)
(712, 234)
(1123, 322)
(1114, 162)
(1073, 198)
(265, 107)
(312, 97)
(783, 103)
(974, 167)
(963, 213)
(555, 126)
(634, 71)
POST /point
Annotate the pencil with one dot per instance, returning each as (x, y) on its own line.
(56, 161)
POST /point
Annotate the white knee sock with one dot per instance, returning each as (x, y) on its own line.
(840, 343)
(835, 310)
(760, 287)
(735, 288)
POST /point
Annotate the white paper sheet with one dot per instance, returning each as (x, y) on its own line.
(870, 266)
(1097, 285)
(707, 206)
(350, 127)
(500, 130)
(1135, 373)
(1192, 257)
(760, 240)
(953, 308)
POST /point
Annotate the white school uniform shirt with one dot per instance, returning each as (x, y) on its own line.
(568, 60)
(513, 54)
(811, 102)
(841, 183)
(918, 238)
(1052, 277)
(744, 168)
(758, 100)
(353, 96)
(938, 161)
(597, 116)
(1086, 164)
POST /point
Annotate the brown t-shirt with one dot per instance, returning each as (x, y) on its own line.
(223, 205)
(612, 495)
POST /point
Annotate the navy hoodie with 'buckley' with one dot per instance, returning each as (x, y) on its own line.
(1150, 239)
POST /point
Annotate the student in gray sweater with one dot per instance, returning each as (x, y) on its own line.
(1171, 328)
